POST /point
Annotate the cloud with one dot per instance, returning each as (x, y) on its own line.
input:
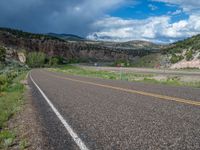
(155, 29)
(187, 5)
(177, 12)
(152, 7)
(82, 17)
(69, 16)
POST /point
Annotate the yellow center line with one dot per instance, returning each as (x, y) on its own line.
(163, 97)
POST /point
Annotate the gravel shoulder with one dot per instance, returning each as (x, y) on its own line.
(27, 127)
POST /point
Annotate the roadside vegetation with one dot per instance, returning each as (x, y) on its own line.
(40, 59)
(75, 70)
(11, 97)
(132, 77)
(36, 59)
(11, 100)
(12, 88)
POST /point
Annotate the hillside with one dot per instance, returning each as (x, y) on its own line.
(192, 43)
(184, 54)
(84, 50)
(68, 37)
(22, 34)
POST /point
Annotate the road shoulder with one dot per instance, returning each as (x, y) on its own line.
(26, 125)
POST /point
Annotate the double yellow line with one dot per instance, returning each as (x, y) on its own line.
(161, 97)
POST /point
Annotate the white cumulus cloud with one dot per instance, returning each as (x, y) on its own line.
(155, 29)
(187, 5)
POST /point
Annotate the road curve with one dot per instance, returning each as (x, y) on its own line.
(108, 114)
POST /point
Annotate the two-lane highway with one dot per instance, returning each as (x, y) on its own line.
(90, 113)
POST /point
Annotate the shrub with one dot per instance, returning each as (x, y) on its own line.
(53, 61)
(6, 79)
(189, 55)
(3, 82)
(2, 54)
(73, 60)
(175, 58)
(36, 59)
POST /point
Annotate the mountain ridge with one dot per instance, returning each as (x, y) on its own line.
(54, 46)
(64, 36)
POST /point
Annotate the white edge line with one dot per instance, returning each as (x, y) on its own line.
(75, 137)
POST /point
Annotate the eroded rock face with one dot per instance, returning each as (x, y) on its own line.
(186, 64)
(11, 53)
(66, 49)
(21, 57)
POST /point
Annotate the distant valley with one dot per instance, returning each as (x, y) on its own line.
(72, 47)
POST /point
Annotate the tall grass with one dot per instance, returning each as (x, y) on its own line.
(74, 70)
(11, 99)
(132, 77)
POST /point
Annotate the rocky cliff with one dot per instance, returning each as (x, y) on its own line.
(53, 46)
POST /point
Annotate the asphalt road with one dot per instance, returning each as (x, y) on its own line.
(108, 114)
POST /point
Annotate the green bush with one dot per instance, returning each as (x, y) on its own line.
(53, 61)
(36, 59)
(73, 60)
(3, 82)
(6, 79)
(175, 58)
(189, 55)
(2, 54)
(56, 60)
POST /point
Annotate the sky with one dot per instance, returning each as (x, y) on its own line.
(159, 21)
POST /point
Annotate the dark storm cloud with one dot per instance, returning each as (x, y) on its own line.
(62, 16)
